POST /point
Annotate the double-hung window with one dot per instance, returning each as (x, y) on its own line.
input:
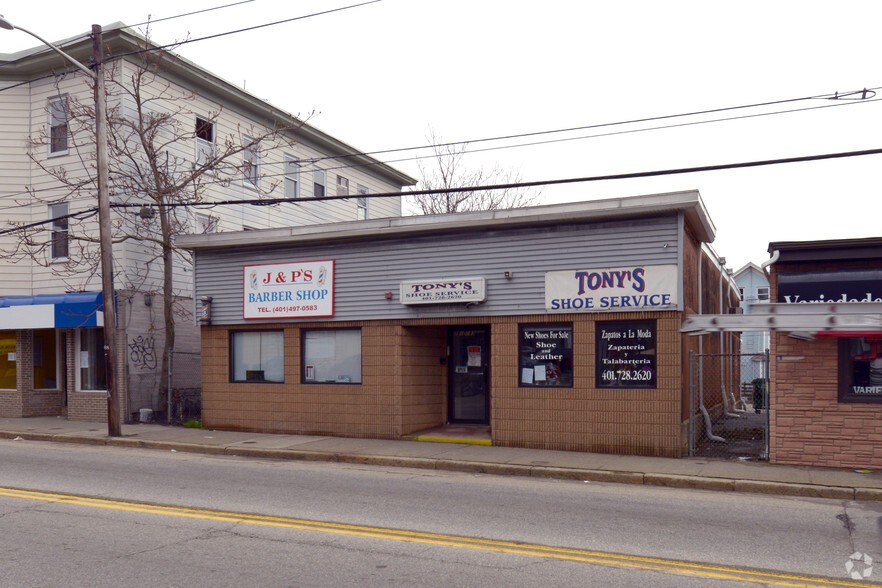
(362, 203)
(205, 141)
(257, 356)
(332, 356)
(205, 223)
(762, 294)
(58, 129)
(342, 186)
(292, 177)
(251, 163)
(319, 181)
(59, 237)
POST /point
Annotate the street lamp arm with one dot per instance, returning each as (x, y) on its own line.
(5, 24)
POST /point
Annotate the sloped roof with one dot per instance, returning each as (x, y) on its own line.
(119, 40)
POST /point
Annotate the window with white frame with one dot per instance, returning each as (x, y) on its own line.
(205, 223)
(59, 235)
(58, 129)
(762, 294)
(331, 356)
(292, 177)
(362, 202)
(257, 356)
(93, 368)
(251, 163)
(205, 141)
(342, 186)
(319, 181)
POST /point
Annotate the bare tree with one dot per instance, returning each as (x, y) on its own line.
(446, 170)
(154, 166)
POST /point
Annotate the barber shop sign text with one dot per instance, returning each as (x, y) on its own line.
(648, 287)
(288, 290)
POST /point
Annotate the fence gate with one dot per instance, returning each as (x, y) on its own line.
(729, 406)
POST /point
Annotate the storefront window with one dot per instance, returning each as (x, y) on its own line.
(257, 356)
(332, 355)
(546, 355)
(860, 369)
(93, 368)
(45, 360)
(7, 360)
(625, 354)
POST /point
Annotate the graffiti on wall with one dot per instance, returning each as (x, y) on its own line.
(142, 352)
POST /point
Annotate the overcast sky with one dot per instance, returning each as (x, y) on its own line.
(382, 75)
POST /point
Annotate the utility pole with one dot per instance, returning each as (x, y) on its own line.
(104, 237)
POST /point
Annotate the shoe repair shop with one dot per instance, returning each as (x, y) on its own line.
(557, 326)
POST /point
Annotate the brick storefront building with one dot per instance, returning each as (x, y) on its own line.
(826, 384)
(556, 326)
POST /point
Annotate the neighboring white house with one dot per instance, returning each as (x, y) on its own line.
(51, 343)
(753, 286)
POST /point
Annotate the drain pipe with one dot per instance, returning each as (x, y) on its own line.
(728, 407)
(767, 263)
(707, 420)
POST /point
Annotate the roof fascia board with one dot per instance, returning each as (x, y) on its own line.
(595, 210)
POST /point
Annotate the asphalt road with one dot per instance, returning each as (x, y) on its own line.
(79, 515)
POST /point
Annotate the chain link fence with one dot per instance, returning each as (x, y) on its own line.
(729, 401)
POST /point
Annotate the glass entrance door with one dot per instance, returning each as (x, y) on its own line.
(469, 361)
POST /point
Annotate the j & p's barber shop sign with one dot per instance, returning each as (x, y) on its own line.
(288, 290)
(649, 287)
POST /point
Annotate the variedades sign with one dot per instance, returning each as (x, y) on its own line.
(839, 286)
(443, 291)
(624, 288)
(288, 290)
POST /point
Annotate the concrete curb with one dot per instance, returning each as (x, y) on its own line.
(478, 467)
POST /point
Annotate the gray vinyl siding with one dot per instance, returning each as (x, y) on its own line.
(365, 271)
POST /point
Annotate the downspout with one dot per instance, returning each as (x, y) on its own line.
(723, 355)
(767, 263)
(707, 420)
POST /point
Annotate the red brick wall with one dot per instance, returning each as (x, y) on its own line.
(404, 389)
(808, 425)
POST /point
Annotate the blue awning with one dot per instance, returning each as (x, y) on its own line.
(52, 311)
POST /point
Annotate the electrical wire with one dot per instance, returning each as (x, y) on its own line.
(598, 135)
(516, 185)
(246, 29)
(79, 38)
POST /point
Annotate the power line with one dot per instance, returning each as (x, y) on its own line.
(146, 22)
(600, 135)
(558, 182)
(834, 96)
(831, 97)
(246, 29)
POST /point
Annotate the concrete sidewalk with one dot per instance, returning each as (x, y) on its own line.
(758, 477)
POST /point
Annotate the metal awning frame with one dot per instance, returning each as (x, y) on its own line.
(802, 319)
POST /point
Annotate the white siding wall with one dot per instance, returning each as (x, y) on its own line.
(23, 113)
(14, 125)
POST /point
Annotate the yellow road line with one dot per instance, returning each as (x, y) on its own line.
(580, 555)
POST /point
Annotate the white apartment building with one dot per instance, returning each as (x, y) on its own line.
(51, 340)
